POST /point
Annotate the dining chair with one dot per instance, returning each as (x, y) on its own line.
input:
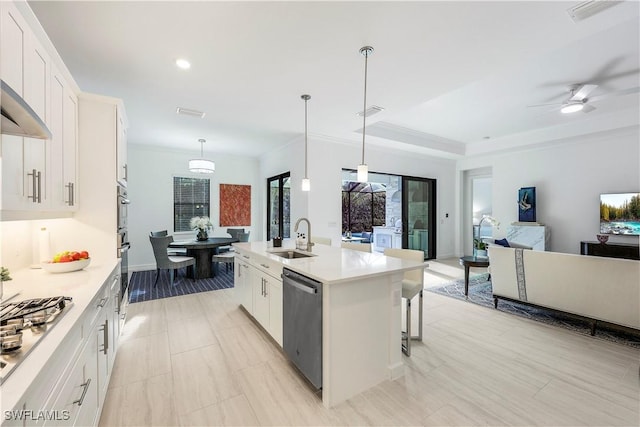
(244, 237)
(166, 262)
(362, 247)
(233, 232)
(227, 258)
(170, 251)
(412, 285)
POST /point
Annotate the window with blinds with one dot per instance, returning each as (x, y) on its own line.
(191, 197)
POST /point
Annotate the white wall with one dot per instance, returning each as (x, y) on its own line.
(323, 204)
(569, 176)
(150, 189)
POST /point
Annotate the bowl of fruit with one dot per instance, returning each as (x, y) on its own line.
(64, 262)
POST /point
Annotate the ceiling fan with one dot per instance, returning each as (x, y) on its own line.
(579, 101)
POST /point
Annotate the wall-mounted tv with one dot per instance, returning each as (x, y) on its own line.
(620, 214)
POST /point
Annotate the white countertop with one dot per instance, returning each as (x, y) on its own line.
(81, 285)
(332, 264)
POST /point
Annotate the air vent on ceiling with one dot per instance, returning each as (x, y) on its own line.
(374, 109)
(188, 112)
(589, 8)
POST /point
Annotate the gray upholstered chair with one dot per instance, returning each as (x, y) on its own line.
(412, 285)
(170, 251)
(243, 237)
(233, 232)
(166, 262)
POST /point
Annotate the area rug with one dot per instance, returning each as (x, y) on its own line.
(480, 293)
(141, 285)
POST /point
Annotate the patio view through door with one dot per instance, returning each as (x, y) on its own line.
(418, 215)
(278, 206)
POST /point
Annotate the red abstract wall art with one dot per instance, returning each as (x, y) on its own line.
(235, 205)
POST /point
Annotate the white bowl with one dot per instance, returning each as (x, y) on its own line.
(65, 267)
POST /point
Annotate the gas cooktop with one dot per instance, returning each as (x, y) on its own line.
(23, 324)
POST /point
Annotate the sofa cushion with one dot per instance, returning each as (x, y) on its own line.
(502, 242)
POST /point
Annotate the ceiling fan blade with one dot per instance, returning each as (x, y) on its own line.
(616, 93)
(588, 108)
(544, 105)
(583, 92)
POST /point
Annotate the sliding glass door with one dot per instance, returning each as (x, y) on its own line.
(278, 206)
(418, 215)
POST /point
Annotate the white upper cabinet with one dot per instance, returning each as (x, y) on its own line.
(64, 144)
(38, 176)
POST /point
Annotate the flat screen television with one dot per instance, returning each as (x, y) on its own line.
(620, 214)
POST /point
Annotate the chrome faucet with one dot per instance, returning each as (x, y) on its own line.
(295, 229)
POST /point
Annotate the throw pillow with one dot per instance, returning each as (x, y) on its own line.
(502, 242)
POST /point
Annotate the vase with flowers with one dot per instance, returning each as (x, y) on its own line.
(202, 224)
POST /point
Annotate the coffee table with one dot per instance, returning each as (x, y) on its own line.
(468, 262)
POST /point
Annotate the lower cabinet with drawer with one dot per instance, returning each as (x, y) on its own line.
(259, 290)
(71, 387)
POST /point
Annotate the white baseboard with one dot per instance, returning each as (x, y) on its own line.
(142, 267)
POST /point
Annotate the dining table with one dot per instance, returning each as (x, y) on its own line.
(202, 251)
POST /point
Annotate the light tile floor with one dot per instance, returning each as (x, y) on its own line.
(199, 360)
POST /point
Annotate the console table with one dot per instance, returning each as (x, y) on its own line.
(612, 250)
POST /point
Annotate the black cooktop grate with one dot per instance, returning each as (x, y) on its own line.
(16, 310)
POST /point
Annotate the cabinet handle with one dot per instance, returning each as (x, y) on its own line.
(264, 265)
(102, 302)
(69, 187)
(245, 256)
(39, 176)
(105, 331)
(126, 172)
(117, 302)
(34, 186)
(262, 291)
(73, 194)
(84, 393)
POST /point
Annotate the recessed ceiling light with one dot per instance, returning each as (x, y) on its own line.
(374, 109)
(183, 63)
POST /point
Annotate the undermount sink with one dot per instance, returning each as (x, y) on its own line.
(291, 254)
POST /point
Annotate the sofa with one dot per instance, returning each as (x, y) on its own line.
(596, 288)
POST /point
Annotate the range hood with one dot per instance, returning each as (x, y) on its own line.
(18, 118)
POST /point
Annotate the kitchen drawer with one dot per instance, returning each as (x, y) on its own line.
(77, 401)
(96, 308)
(266, 265)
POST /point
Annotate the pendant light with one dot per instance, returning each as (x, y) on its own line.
(306, 184)
(201, 165)
(363, 169)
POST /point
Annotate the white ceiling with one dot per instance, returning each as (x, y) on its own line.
(448, 73)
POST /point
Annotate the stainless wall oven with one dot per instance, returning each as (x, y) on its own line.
(123, 239)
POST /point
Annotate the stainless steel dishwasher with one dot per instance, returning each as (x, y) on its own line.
(302, 324)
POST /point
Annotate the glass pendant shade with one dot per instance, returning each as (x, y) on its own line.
(363, 173)
(306, 184)
(201, 166)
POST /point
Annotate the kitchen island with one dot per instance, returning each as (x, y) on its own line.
(361, 309)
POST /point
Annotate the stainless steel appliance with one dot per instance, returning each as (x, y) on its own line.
(123, 239)
(302, 324)
(23, 324)
(18, 118)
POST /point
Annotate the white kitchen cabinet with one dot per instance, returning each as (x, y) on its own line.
(63, 147)
(261, 294)
(242, 282)
(38, 176)
(71, 387)
(14, 33)
(258, 288)
(275, 309)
